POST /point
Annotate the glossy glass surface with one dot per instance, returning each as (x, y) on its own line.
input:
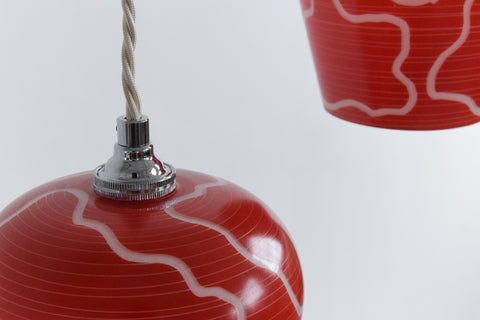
(210, 250)
(402, 64)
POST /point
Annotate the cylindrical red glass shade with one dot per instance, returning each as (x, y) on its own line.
(400, 64)
(210, 250)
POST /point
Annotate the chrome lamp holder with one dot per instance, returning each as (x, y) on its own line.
(134, 173)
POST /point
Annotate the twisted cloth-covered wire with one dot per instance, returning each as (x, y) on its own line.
(134, 111)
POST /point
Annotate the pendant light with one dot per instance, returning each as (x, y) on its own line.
(138, 239)
(400, 64)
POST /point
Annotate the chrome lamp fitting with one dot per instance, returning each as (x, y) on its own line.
(134, 173)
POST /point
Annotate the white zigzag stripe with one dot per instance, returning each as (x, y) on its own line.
(396, 67)
(132, 256)
(310, 11)
(432, 75)
(414, 3)
(200, 190)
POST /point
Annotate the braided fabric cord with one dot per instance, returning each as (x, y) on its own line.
(133, 105)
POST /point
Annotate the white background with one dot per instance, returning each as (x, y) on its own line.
(387, 223)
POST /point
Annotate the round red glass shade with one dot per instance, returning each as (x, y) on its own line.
(400, 64)
(210, 250)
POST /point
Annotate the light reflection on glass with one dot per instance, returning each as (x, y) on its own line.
(251, 293)
(268, 250)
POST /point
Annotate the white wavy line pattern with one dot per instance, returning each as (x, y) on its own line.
(137, 257)
(433, 73)
(414, 3)
(174, 262)
(200, 190)
(396, 67)
(308, 13)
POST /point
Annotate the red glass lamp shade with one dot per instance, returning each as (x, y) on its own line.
(210, 250)
(401, 64)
